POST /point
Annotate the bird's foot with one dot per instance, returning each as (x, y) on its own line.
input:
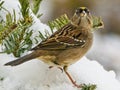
(70, 78)
(76, 85)
(60, 68)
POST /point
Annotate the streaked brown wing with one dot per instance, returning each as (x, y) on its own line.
(61, 40)
(59, 43)
(50, 44)
(69, 41)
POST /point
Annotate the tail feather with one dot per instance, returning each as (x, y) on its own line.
(22, 59)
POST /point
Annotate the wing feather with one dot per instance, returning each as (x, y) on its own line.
(64, 38)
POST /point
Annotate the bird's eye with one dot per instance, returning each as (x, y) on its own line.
(86, 10)
(78, 11)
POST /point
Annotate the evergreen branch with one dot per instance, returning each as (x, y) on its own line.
(24, 8)
(9, 19)
(14, 16)
(5, 31)
(42, 36)
(7, 27)
(15, 35)
(88, 87)
(18, 41)
(36, 5)
(59, 22)
(1, 3)
(39, 15)
(97, 22)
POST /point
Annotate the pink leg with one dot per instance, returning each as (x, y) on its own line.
(73, 82)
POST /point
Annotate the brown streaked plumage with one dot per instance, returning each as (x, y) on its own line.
(65, 46)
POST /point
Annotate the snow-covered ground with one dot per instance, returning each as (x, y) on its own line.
(35, 75)
(106, 50)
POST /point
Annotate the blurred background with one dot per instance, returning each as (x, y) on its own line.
(106, 46)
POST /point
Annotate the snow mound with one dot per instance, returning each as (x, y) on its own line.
(35, 75)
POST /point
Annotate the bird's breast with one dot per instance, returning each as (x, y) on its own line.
(72, 55)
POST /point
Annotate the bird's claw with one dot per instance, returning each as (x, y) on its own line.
(60, 68)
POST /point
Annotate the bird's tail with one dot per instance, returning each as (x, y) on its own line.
(23, 59)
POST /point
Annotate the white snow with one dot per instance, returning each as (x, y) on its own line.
(106, 50)
(35, 75)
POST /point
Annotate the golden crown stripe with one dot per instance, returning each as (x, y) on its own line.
(82, 7)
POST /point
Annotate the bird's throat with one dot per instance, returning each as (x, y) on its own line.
(84, 22)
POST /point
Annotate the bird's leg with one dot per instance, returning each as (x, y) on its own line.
(69, 76)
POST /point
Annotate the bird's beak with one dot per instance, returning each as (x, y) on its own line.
(83, 14)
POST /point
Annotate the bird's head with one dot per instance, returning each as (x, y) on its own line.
(82, 17)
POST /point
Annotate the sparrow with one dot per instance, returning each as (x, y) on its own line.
(66, 46)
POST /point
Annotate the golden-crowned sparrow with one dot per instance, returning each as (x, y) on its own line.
(65, 46)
